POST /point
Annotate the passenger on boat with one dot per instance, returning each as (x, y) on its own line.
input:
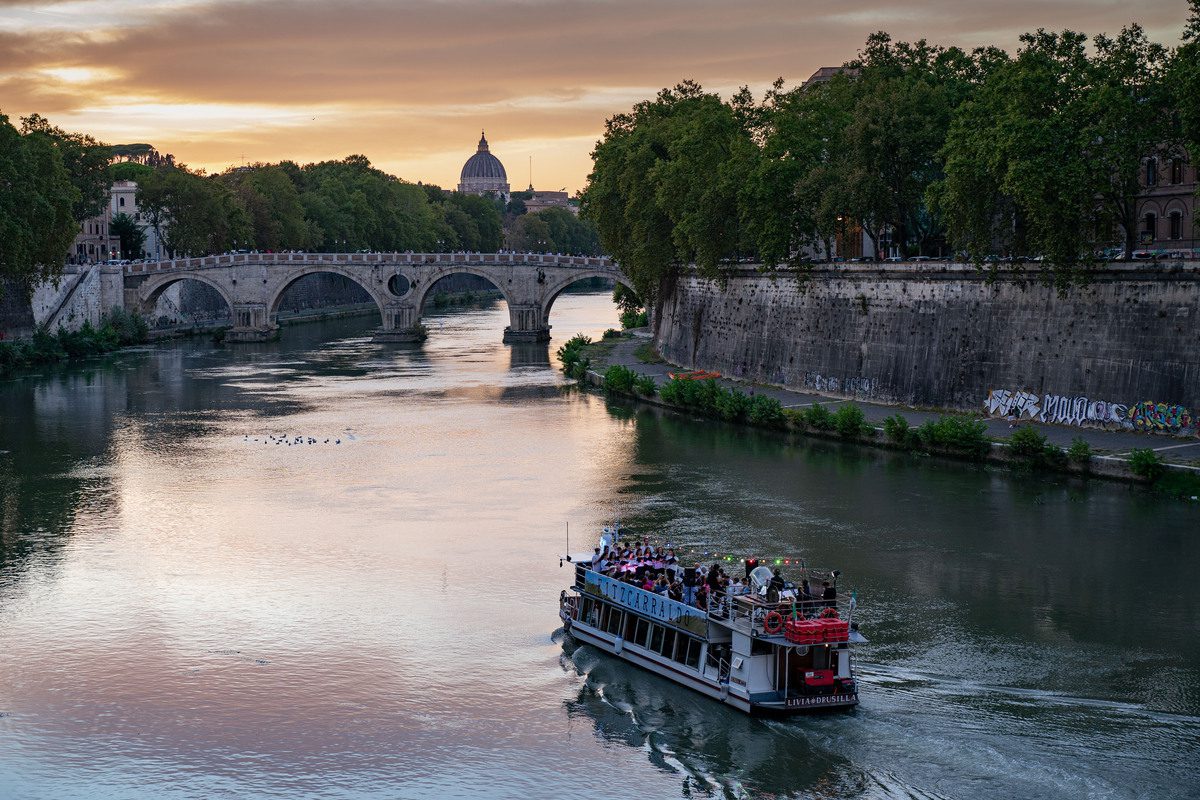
(675, 592)
(691, 579)
(805, 599)
(829, 595)
(775, 587)
(702, 597)
(661, 586)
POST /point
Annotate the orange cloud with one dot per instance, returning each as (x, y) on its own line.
(410, 83)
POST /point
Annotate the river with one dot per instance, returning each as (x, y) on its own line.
(190, 609)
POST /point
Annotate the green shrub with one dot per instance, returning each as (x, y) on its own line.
(959, 434)
(899, 432)
(645, 386)
(1027, 443)
(570, 354)
(619, 379)
(611, 333)
(634, 319)
(818, 417)
(766, 411)
(732, 405)
(1080, 451)
(1145, 463)
(850, 421)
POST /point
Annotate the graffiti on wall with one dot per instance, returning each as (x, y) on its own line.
(858, 387)
(1083, 411)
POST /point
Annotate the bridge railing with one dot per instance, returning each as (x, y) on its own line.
(397, 259)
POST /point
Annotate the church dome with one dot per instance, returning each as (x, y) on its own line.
(483, 172)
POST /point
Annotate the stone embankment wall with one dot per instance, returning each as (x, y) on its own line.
(1122, 351)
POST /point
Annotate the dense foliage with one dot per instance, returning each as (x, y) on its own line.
(928, 150)
(118, 329)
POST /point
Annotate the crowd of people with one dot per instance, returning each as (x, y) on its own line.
(658, 569)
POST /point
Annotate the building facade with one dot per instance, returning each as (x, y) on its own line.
(96, 243)
(1167, 206)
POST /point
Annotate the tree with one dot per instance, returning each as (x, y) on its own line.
(133, 238)
(1045, 158)
(664, 183)
(530, 234)
(85, 159)
(1185, 77)
(37, 223)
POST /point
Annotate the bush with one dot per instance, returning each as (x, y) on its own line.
(1080, 452)
(1027, 443)
(766, 411)
(645, 386)
(1145, 463)
(732, 405)
(634, 319)
(899, 432)
(130, 328)
(571, 354)
(611, 333)
(619, 379)
(817, 417)
(958, 434)
(850, 421)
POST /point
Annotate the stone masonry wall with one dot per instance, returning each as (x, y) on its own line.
(943, 335)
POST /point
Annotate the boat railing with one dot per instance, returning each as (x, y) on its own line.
(752, 616)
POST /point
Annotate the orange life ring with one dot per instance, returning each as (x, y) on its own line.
(829, 613)
(773, 622)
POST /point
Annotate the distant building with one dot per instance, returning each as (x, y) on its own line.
(1167, 205)
(825, 74)
(483, 173)
(539, 200)
(95, 242)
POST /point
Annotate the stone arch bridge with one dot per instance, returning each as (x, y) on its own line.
(254, 283)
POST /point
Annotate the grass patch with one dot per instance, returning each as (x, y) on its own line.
(646, 354)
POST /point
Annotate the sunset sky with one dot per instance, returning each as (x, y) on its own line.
(410, 83)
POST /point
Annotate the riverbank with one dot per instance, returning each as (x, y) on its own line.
(1168, 464)
(118, 329)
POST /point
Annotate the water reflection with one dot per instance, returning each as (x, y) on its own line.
(190, 604)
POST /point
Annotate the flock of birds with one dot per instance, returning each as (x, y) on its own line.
(289, 440)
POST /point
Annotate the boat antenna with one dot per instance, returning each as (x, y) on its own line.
(568, 543)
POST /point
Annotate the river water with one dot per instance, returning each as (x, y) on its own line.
(189, 609)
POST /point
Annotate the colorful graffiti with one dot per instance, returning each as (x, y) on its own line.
(1084, 412)
(1150, 416)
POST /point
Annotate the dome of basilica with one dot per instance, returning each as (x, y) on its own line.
(483, 172)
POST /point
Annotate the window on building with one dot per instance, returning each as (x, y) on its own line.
(1152, 172)
(121, 201)
(1149, 225)
(1177, 170)
(1176, 225)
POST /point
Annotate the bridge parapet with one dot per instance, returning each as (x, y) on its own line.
(398, 259)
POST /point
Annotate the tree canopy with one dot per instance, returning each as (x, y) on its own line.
(922, 149)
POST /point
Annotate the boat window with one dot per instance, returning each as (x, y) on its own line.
(692, 659)
(656, 638)
(760, 648)
(668, 645)
(615, 618)
(591, 612)
(605, 610)
(639, 633)
(630, 626)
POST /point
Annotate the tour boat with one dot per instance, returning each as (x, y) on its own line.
(761, 655)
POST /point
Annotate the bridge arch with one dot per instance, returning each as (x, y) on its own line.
(563, 284)
(492, 275)
(275, 294)
(151, 290)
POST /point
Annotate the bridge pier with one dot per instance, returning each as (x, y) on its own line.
(401, 323)
(527, 323)
(251, 323)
